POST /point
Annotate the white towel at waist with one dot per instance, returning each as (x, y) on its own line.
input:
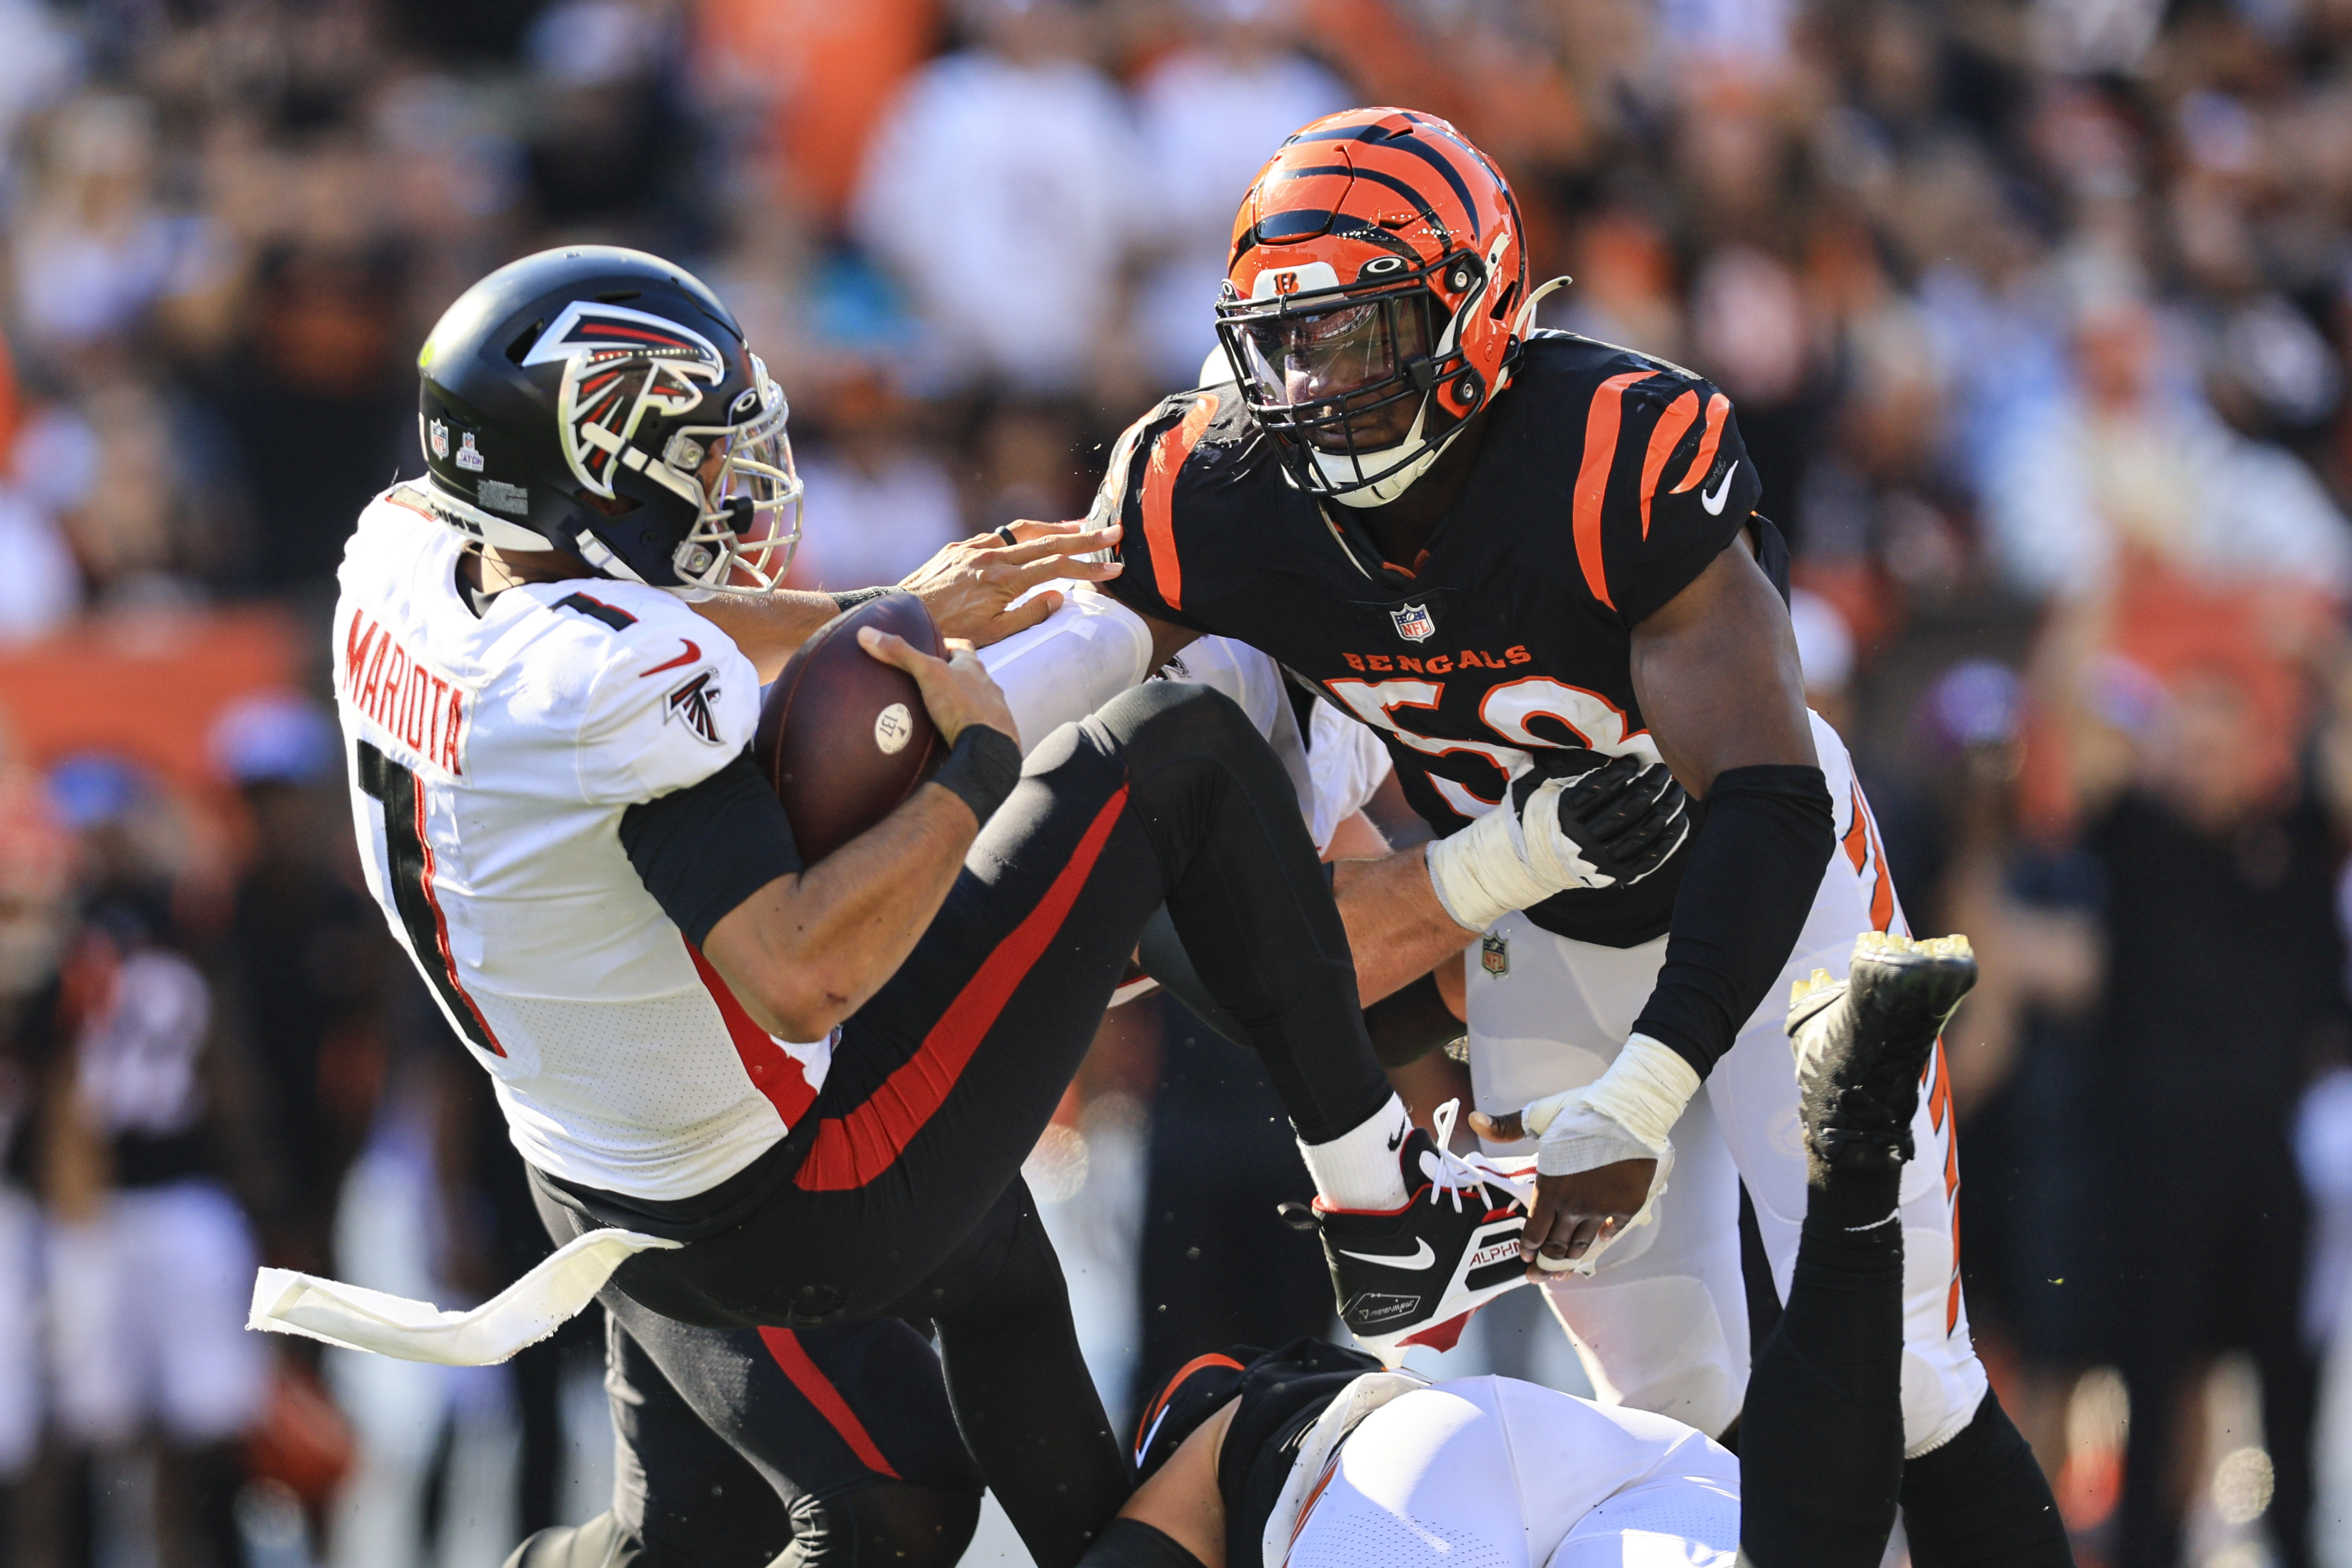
(522, 1314)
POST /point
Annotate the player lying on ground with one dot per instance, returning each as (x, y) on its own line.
(1500, 547)
(1310, 1458)
(821, 1078)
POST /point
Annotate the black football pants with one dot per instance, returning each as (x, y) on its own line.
(903, 1201)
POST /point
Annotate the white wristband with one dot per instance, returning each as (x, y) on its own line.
(1491, 867)
(1625, 1113)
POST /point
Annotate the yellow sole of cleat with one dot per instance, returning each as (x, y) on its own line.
(1818, 980)
(1885, 943)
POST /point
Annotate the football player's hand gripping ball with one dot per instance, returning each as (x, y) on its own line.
(956, 691)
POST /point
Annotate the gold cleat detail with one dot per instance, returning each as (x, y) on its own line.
(1880, 943)
(1799, 990)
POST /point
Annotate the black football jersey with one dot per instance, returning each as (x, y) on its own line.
(1282, 1392)
(1606, 483)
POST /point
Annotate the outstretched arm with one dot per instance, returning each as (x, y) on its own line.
(969, 588)
(1396, 928)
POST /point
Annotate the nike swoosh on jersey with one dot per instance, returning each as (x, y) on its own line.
(693, 653)
(1421, 1260)
(1714, 504)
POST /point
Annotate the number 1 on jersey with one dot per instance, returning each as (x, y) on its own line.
(408, 867)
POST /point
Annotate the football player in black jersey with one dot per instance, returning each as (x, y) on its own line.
(1506, 550)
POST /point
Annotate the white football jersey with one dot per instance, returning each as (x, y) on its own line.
(491, 758)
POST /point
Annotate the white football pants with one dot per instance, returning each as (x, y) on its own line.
(1662, 1325)
(1491, 1472)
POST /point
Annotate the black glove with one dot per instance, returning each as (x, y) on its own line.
(1625, 817)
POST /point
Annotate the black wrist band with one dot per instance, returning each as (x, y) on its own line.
(982, 770)
(857, 596)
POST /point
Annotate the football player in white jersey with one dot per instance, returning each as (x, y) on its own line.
(819, 1080)
(1312, 1457)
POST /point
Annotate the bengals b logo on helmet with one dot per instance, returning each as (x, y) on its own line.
(620, 365)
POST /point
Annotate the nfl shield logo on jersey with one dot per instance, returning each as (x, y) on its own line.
(1495, 955)
(1413, 623)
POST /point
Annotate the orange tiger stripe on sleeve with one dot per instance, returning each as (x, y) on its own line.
(1662, 442)
(1168, 454)
(1600, 427)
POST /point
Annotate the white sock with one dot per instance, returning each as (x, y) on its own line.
(1359, 1168)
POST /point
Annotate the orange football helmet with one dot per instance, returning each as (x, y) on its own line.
(1375, 296)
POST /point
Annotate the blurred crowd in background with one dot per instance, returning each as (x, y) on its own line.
(2038, 315)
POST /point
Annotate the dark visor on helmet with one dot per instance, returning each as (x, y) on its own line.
(1334, 371)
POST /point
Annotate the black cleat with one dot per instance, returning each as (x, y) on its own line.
(1863, 1045)
(1414, 1275)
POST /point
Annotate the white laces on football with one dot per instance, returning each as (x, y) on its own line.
(1455, 1174)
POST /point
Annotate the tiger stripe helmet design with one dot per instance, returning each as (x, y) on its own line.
(1375, 296)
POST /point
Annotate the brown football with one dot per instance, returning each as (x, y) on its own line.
(843, 736)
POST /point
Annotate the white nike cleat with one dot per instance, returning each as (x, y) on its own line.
(1414, 1275)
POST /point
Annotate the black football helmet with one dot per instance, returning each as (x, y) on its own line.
(603, 402)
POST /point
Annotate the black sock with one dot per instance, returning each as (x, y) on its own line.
(1821, 1441)
(1853, 1213)
(1983, 1499)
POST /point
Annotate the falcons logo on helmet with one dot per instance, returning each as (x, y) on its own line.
(690, 704)
(619, 365)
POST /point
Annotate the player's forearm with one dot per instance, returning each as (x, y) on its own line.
(1167, 639)
(1396, 928)
(810, 949)
(1755, 868)
(767, 627)
(1715, 669)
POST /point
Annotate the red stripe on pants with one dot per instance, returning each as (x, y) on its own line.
(852, 1150)
(774, 1072)
(816, 1388)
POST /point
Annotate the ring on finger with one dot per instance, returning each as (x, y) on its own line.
(1004, 532)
